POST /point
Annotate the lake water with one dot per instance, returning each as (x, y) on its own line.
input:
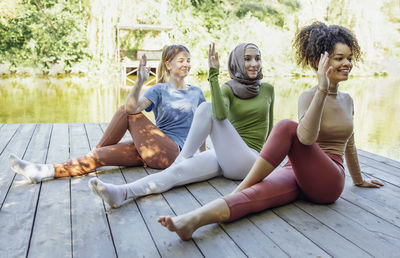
(77, 99)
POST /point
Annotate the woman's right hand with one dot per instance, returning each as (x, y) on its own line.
(143, 71)
(324, 70)
(213, 60)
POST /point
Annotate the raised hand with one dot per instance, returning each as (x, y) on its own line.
(324, 70)
(371, 184)
(213, 60)
(143, 71)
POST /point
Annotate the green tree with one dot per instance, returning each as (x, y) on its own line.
(44, 32)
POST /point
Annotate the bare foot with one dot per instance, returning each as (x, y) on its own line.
(181, 225)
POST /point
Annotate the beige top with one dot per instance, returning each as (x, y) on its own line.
(327, 119)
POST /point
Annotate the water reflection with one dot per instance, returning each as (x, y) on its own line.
(55, 101)
(50, 100)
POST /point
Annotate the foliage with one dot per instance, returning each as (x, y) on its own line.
(79, 35)
(44, 34)
(272, 25)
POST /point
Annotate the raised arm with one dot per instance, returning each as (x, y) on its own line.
(133, 103)
(310, 110)
(220, 104)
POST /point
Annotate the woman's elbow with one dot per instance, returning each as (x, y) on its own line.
(305, 137)
(131, 109)
(306, 140)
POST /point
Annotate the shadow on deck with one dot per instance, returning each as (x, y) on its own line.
(62, 218)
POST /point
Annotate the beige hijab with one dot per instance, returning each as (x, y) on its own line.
(242, 86)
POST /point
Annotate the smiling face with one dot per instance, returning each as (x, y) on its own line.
(252, 61)
(341, 62)
(179, 66)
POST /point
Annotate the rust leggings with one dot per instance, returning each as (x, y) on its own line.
(150, 147)
(319, 176)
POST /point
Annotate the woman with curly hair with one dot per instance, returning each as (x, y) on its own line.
(315, 146)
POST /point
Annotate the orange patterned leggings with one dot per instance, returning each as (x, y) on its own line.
(150, 147)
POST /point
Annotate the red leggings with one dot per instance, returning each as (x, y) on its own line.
(319, 176)
(150, 147)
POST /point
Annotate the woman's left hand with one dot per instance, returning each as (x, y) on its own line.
(371, 184)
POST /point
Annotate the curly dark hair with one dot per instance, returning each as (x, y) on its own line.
(315, 39)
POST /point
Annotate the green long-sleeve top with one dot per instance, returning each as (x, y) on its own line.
(252, 118)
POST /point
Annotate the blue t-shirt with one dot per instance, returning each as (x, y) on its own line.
(174, 109)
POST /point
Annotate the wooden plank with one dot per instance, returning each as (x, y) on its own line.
(382, 159)
(18, 211)
(394, 190)
(90, 231)
(352, 194)
(389, 169)
(327, 239)
(380, 174)
(387, 196)
(361, 229)
(151, 207)
(130, 234)
(51, 236)
(375, 224)
(16, 145)
(245, 234)
(211, 239)
(6, 133)
(290, 240)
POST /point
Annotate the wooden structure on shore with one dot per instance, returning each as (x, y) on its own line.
(62, 218)
(129, 66)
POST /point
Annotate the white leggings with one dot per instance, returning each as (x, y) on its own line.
(230, 157)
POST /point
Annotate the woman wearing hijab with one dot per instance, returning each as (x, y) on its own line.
(238, 122)
(315, 146)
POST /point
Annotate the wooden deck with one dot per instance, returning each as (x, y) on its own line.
(62, 218)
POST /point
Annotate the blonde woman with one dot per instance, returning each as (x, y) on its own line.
(238, 122)
(173, 103)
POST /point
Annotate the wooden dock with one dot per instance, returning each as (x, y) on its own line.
(62, 218)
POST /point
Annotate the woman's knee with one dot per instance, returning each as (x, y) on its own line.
(286, 125)
(204, 110)
(162, 160)
(237, 170)
(284, 129)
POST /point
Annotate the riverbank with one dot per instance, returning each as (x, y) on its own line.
(72, 99)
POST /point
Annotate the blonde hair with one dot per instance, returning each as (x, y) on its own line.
(167, 55)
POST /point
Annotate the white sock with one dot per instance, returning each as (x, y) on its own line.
(113, 195)
(33, 172)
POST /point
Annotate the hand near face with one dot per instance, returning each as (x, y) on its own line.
(213, 60)
(143, 71)
(324, 70)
